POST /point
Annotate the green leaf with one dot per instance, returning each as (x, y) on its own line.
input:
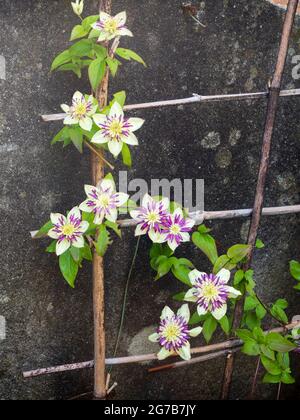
(203, 229)
(113, 65)
(88, 21)
(250, 303)
(77, 138)
(251, 348)
(209, 327)
(196, 318)
(96, 72)
(120, 97)
(260, 312)
(238, 277)
(244, 335)
(164, 267)
(78, 32)
(207, 244)
(75, 252)
(86, 253)
(44, 230)
(68, 268)
(51, 248)
(252, 321)
(130, 55)
(282, 303)
(270, 366)
(259, 244)
(271, 379)
(75, 68)
(61, 59)
(181, 272)
(238, 252)
(126, 155)
(223, 262)
(94, 34)
(286, 378)
(103, 241)
(100, 51)
(225, 324)
(82, 48)
(279, 313)
(179, 297)
(278, 343)
(295, 269)
(283, 360)
(267, 352)
(61, 135)
(115, 227)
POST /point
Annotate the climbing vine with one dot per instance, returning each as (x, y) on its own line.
(208, 299)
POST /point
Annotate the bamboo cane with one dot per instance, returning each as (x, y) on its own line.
(273, 100)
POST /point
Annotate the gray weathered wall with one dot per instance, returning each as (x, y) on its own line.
(49, 324)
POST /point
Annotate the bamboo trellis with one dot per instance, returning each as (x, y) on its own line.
(228, 348)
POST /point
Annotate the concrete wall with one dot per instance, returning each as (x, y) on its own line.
(46, 322)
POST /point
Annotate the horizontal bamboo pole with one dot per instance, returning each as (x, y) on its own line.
(224, 347)
(200, 216)
(191, 100)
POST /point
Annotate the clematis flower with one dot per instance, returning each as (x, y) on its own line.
(211, 292)
(78, 7)
(68, 231)
(81, 111)
(173, 333)
(115, 129)
(103, 201)
(111, 27)
(150, 218)
(176, 229)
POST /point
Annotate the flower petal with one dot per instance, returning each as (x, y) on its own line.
(178, 212)
(220, 313)
(69, 120)
(184, 312)
(190, 295)
(173, 244)
(57, 218)
(107, 185)
(83, 226)
(112, 215)
(136, 123)
(147, 199)
(99, 138)
(78, 97)
(115, 147)
(130, 139)
(139, 231)
(185, 237)
(121, 18)
(79, 242)
(116, 110)
(163, 354)
(195, 331)
(99, 119)
(103, 36)
(166, 313)
(224, 275)
(165, 202)
(104, 17)
(233, 293)
(62, 247)
(154, 338)
(75, 212)
(195, 275)
(90, 190)
(122, 198)
(65, 108)
(201, 310)
(52, 234)
(86, 123)
(185, 352)
(99, 218)
(124, 32)
(135, 214)
(86, 207)
(156, 237)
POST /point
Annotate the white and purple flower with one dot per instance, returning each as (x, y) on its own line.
(115, 129)
(68, 230)
(81, 111)
(176, 229)
(211, 292)
(150, 218)
(78, 6)
(103, 201)
(111, 26)
(173, 333)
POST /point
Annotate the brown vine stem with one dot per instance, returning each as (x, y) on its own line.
(254, 382)
(99, 154)
(98, 269)
(226, 345)
(273, 99)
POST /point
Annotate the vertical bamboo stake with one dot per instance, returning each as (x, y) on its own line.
(274, 93)
(98, 269)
